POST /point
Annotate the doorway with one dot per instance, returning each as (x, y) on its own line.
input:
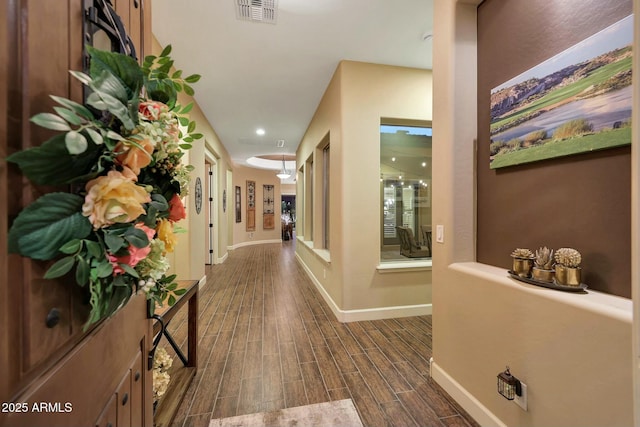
(210, 211)
(288, 215)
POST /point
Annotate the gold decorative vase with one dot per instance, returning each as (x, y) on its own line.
(542, 275)
(522, 266)
(568, 276)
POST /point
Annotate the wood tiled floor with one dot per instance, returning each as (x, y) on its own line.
(267, 341)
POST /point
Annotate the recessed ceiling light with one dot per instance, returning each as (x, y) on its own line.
(424, 164)
(260, 131)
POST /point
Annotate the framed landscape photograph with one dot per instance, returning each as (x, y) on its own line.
(577, 101)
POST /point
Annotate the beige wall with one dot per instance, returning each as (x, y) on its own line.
(482, 319)
(188, 260)
(261, 177)
(358, 96)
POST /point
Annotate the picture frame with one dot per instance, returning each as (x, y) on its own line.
(251, 206)
(238, 204)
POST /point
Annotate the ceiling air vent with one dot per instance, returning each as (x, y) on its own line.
(257, 10)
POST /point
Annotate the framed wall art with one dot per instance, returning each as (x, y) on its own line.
(238, 204)
(251, 206)
(580, 100)
(268, 206)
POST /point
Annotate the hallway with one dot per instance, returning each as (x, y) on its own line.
(267, 341)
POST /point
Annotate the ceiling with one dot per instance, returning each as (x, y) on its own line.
(272, 76)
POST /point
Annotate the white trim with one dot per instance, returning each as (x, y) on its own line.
(254, 242)
(223, 258)
(404, 266)
(323, 254)
(377, 313)
(480, 413)
(202, 282)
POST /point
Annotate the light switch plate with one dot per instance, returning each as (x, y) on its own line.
(440, 233)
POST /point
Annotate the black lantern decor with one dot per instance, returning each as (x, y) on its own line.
(508, 385)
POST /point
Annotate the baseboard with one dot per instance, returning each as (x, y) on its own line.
(202, 282)
(469, 403)
(223, 258)
(377, 313)
(254, 242)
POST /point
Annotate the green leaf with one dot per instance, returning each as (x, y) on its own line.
(184, 121)
(191, 127)
(137, 237)
(76, 142)
(196, 135)
(82, 271)
(69, 115)
(84, 78)
(51, 163)
(60, 268)
(187, 108)
(180, 291)
(79, 109)
(115, 107)
(71, 246)
(130, 270)
(95, 136)
(104, 269)
(125, 68)
(50, 121)
(186, 146)
(161, 91)
(93, 248)
(166, 51)
(172, 300)
(115, 135)
(159, 202)
(177, 74)
(110, 85)
(188, 89)
(193, 78)
(47, 224)
(114, 242)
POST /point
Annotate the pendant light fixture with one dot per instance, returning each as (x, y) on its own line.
(283, 174)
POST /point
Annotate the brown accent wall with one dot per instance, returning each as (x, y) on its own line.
(581, 201)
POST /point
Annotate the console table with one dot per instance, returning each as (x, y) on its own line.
(181, 377)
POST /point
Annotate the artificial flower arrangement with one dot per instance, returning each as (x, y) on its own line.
(120, 154)
(161, 364)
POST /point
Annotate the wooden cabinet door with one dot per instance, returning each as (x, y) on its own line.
(109, 416)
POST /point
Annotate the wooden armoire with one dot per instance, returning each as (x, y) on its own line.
(52, 373)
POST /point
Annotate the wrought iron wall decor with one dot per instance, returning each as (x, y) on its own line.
(251, 205)
(268, 206)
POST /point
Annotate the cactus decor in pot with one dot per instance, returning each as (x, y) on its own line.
(522, 262)
(543, 265)
(568, 271)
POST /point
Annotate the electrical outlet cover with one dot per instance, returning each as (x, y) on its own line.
(521, 401)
